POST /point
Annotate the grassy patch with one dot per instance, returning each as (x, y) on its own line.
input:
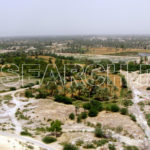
(26, 133)
(48, 139)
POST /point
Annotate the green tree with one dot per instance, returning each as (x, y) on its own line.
(98, 132)
(72, 116)
(72, 90)
(56, 126)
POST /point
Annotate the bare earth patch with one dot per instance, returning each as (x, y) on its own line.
(114, 120)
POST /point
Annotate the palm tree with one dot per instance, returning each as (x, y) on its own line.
(115, 89)
(72, 90)
(64, 90)
(79, 88)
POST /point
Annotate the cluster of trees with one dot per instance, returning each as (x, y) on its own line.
(125, 42)
(95, 106)
(73, 50)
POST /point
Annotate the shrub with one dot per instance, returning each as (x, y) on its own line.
(93, 112)
(42, 94)
(70, 147)
(7, 97)
(94, 107)
(12, 88)
(93, 104)
(99, 125)
(115, 96)
(148, 88)
(83, 115)
(119, 129)
(87, 106)
(97, 105)
(79, 119)
(88, 146)
(63, 99)
(101, 142)
(25, 133)
(124, 111)
(48, 139)
(132, 117)
(111, 147)
(79, 142)
(114, 108)
(72, 116)
(148, 118)
(127, 103)
(56, 126)
(98, 132)
(29, 85)
(28, 93)
(124, 83)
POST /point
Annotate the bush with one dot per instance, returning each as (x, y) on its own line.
(88, 146)
(63, 99)
(93, 112)
(93, 104)
(124, 111)
(148, 118)
(79, 119)
(48, 139)
(124, 83)
(99, 125)
(101, 142)
(97, 105)
(98, 132)
(79, 142)
(72, 116)
(28, 93)
(111, 147)
(42, 94)
(127, 103)
(12, 88)
(87, 106)
(55, 126)
(114, 108)
(94, 107)
(119, 129)
(25, 133)
(83, 115)
(70, 147)
(148, 88)
(132, 117)
(29, 85)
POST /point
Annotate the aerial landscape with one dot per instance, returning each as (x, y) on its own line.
(72, 81)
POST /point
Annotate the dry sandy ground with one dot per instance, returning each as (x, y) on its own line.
(8, 143)
(114, 120)
(49, 109)
(41, 111)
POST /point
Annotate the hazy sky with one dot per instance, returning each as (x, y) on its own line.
(66, 17)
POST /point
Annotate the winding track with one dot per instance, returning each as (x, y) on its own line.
(11, 113)
(139, 96)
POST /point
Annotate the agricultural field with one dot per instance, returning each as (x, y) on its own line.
(115, 51)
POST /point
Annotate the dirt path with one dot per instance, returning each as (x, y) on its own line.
(27, 139)
(138, 96)
(18, 127)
